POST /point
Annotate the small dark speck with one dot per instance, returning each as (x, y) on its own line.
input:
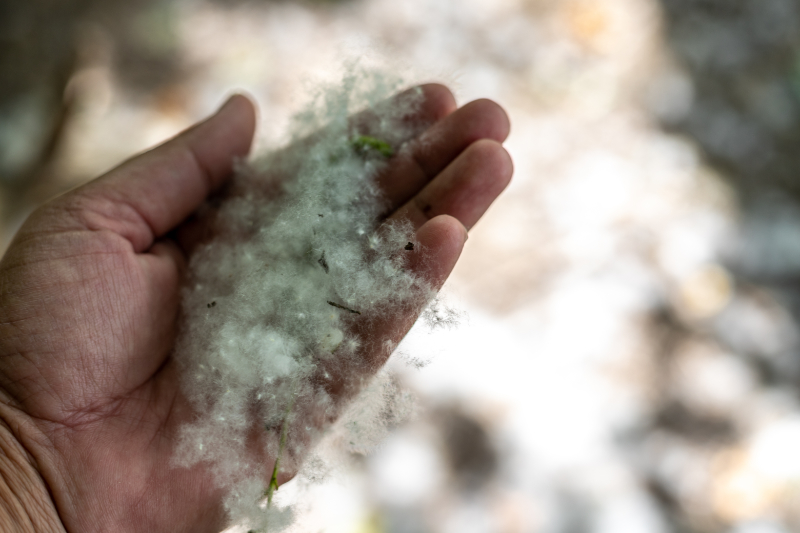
(320, 216)
(212, 304)
(410, 246)
(323, 263)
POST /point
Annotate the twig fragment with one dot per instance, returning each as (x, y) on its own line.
(343, 307)
(323, 263)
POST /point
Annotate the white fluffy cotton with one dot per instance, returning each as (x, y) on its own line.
(298, 259)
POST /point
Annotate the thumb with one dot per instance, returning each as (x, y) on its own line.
(150, 194)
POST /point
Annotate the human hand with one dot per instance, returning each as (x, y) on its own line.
(90, 402)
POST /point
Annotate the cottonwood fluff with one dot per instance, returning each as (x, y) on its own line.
(298, 258)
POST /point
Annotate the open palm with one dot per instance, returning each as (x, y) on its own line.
(89, 301)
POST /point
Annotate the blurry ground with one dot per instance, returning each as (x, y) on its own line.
(631, 357)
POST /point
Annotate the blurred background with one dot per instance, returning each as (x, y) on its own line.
(629, 360)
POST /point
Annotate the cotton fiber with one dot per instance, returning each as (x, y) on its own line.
(299, 260)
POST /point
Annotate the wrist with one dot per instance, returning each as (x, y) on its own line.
(25, 502)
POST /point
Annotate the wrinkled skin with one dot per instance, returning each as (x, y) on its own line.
(89, 300)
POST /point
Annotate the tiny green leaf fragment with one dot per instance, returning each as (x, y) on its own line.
(365, 143)
(273, 481)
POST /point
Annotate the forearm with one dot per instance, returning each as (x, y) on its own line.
(25, 503)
